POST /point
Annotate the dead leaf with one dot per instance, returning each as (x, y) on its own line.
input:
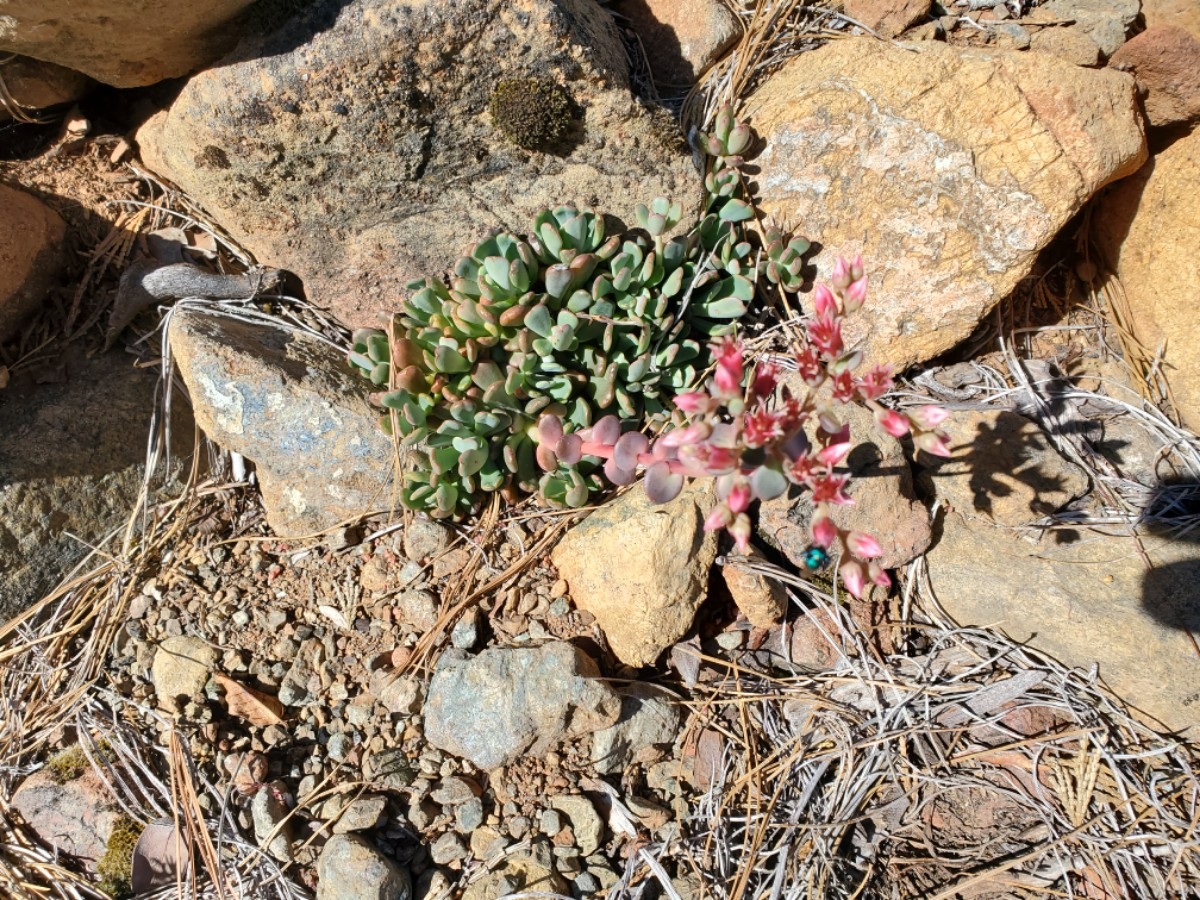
(248, 771)
(248, 704)
(335, 616)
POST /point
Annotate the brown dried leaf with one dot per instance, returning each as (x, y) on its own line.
(248, 770)
(246, 703)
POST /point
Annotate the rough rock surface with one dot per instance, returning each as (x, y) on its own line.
(641, 569)
(350, 868)
(35, 85)
(1069, 44)
(1161, 277)
(125, 43)
(268, 810)
(1106, 22)
(949, 169)
(885, 503)
(1165, 60)
(361, 162)
(508, 702)
(72, 458)
(74, 818)
(517, 873)
(292, 405)
(1084, 601)
(1180, 13)
(31, 256)
(681, 38)
(649, 718)
(1004, 469)
(887, 18)
(181, 667)
(761, 600)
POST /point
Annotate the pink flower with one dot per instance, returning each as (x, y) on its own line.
(837, 448)
(878, 576)
(740, 531)
(720, 517)
(892, 422)
(876, 383)
(682, 437)
(828, 488)
(760, 427)
(843, 387)
(824, 303)
(825, 333)
(739, 497)
(729, 374)
(695, 402)
(863, 545)
(840, 277)
(856, 294)
(929, 417)
(853, 576)
(933, 442)
(766, 376)
(808, 364)
(856, 267)
(824, 532)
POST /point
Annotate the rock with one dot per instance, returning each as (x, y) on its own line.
(948, 168)
(468, 816)
(447, 849)
(1085, 601)
(761, 600)
(398, 693)
(585, 822)
(292, 405)
(641, 569)
(1004, 469)
(648, 719)
(1180, 13)
(418, 609)
(508, 702)
(360, 162)
(36, 85)
(350, 868)
(361, 814)
(1166, 63)
(391, 769)
(31, 256)
(120, 43)
(269, 809)
(1160, 276)
(72, 454)
(465, 633)
(516, 874)
(887, 18)
(425, 539)
(181, 667)
(885, 502)
(74, 818)
(681, 38)
(1105, 21)
(1069, 44)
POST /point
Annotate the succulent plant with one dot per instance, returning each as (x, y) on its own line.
(567, 323)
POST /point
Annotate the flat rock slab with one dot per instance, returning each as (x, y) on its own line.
(290, 403)
(641, 569)
(949, 169)
(507, 702)
(1087, 600)
(75, 818)
(354, 147)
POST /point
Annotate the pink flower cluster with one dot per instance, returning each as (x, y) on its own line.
(752, 438)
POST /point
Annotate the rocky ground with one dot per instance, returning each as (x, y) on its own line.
(364, 702)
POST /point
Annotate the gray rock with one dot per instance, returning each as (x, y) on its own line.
(1105, 21)
(641, 569)
(181, 667)
(468, 816)
(291, 404)
(269, 808)
(453, 790)
(648, 718)
(447, 849)
(391, 769)
(31, 235)
(339, 746)
(465, 633)
(398, 693)
(584, 820)
(350, 868)
(72, 461)
(361, 814)
(550, 822)
(76, 817)
(507, 702)
(418, 609)
(425, 539)
(387, 173)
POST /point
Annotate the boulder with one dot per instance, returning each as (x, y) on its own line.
(1180, 13)
(1161, 276)
(125, 43)
(509, 702)
(350, 868)
(355, 146)
(1004, 469)
(1087, 600)
(1165, 60)
(31, 256)
(72, 461)
(641, 569)
(949, 169)
(681, 38)
(1106, 22)
(290, 403)
(34, 85)
(885, 503)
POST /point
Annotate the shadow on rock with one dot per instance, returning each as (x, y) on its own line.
(1171, 591)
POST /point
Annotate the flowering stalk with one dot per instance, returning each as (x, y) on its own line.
(749, 434)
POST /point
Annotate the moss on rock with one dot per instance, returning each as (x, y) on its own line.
(115, 867)
(533, 113)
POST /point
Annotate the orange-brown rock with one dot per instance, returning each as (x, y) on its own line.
(681, 38)
(31, 256)
(1165, 60)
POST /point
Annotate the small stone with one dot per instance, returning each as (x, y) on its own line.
(447, 849)
(418, 609)
(362, 814)
(181, 667)
(648, 718)
(465, 634)
(350, 868)
(469, 815)
(339, 746)
(391, 769)
(585, 821)
(550, 822)
(454, 790)
(763, 601)
(425, 539)
(586, 883)
(518, 826)
(268, 809)
(731, 640)
(241, 618)
(487, 842)
(343, 538)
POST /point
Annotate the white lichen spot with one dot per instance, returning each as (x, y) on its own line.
(274, 402)
(296, 501)
(227, 407)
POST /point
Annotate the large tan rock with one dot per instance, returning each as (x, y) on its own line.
(125, 43)
(1180, 13)
(1086, 599)
(33, 84)
(641, 569)
(31, 256)
(681, 38)
(948, 169)
(1147, 229)
(365, 157)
